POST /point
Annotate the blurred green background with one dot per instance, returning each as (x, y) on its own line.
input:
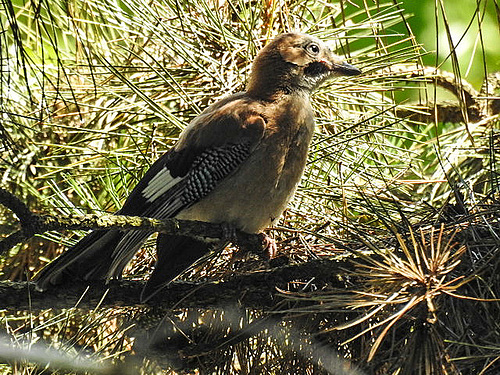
(426, 22)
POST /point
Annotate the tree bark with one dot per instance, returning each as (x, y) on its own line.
(253, 290)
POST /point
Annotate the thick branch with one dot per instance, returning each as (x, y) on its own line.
(473, 105)
(442, 112)
(256, 290)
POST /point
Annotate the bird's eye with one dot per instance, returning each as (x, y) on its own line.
(312, 48)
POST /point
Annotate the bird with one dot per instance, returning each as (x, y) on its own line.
(239, 163)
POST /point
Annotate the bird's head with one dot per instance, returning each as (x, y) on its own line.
(293, 62)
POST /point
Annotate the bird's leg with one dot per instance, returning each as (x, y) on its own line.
(228, 233)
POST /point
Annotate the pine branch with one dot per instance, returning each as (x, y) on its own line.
(256, 290)
(33, 224)
(478, 105)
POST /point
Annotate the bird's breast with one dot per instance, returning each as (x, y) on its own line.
(256, 194)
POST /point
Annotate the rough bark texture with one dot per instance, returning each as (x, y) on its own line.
(254, 290)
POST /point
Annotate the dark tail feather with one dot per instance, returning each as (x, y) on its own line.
(89, 259)
(175, 255)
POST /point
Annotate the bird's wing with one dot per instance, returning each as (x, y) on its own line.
(211, 148)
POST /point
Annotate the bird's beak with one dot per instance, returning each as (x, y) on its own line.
(345, 69)
(338, 67)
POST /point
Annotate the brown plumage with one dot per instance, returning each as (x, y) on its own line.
(238, 162)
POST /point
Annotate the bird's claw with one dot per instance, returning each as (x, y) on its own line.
(269, 246)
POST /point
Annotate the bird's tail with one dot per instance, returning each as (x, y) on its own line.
(100, 255)
(175, 255)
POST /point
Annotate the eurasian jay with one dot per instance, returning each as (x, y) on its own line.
(238, 163)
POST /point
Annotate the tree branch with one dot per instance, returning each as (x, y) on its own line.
(32, 224)
(255, 290)
(475, 106)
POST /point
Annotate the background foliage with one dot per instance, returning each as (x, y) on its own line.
(93, 92)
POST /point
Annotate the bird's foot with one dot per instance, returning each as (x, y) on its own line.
(265, 246)
(269, 246)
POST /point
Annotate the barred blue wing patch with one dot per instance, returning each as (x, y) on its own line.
(210, 167)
